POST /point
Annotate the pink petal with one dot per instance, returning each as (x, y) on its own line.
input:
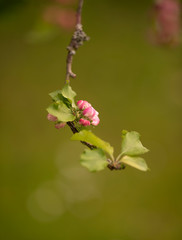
(89, 112)
(83, 104)
(86, 104)
(96, 113)
(79, 104)
(95, 120)
(84, 122)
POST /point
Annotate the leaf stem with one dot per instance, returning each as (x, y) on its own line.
(119, 157)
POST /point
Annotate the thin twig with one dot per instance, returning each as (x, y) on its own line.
(74, 130)
(79, 12)
(79, 36)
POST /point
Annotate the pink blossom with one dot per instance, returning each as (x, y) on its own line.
(84, 122)
(52, 118)
(89, 112)
(83, 104)
(60, 125)
(95, 120)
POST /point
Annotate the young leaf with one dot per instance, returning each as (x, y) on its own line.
(67, 92)
(61, 111)
(136, 162)
(94, 160)
(131, 144)
(55, 95)
(89, 137)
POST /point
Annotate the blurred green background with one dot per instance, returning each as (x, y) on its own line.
(45, 193)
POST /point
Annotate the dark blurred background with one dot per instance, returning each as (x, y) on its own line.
(45, 193)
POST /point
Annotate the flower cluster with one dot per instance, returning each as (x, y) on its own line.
(52, 118)
(86, 115)
(89, 114)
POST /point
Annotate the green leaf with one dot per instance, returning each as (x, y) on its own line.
(66, 95)
(136, 162)
(131, 144)
(61, 111)
(55, 95)
(94, 160)
(89, 137)
(67, 92)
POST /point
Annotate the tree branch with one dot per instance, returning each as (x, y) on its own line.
(76, 41)
(79, 36)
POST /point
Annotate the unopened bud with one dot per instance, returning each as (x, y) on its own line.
(83, 104)
(95, 120)
(52, 118)
(60, 125)
(84, 122)
(89, 112)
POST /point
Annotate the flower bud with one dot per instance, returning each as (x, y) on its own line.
(84, 122)
(52, 118)
(60, 125)
(83, 104)
(89, 112)
(95, 120)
